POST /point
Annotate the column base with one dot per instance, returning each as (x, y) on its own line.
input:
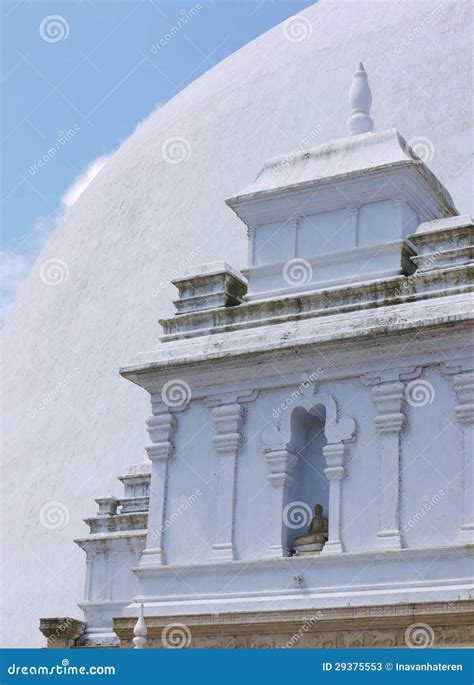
(222, 552)
(466, 534)
(332, 547)
(389, 539)
(152, 557)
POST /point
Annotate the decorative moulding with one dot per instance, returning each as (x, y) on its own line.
(209, 286)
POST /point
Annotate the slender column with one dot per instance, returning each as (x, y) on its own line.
(334, 472)
(464, 389)
(227, 422)
(388, 399)
(293, 231)
(281, 460)
(354, 222)
(160, 428)
(251, 231)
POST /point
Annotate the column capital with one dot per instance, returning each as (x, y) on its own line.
(281, 462)
(404, 373)
(464, 388)
(160, 428)
(281, 456)
(388, 398)
(334, 455)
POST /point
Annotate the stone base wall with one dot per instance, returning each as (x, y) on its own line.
(449, 624)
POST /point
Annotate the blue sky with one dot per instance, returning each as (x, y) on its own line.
(78, 76)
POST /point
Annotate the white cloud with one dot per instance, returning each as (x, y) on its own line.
(81, 182)
(15, 266)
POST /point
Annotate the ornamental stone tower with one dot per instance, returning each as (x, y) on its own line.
(310, 436)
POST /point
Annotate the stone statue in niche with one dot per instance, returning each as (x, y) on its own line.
(313, 541)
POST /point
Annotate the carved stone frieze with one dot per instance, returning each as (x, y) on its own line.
(407, 625)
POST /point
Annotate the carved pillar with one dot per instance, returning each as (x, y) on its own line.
(160, 428)
(388, 394)
(227, 422)
(228, 415)
(281, 461)
(251, 231)
(388, 398)
(354, 222)
(463, 382)
(464, 388)
(334, 472)
(293, 232)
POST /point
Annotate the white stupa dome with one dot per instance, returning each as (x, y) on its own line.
(73, 424)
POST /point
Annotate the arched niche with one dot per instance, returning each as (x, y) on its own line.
(309, 440)
(310, 484)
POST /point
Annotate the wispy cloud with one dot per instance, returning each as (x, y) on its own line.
(15, 266)
(81, 182)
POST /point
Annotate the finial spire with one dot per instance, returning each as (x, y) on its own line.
(140, 631)
(360, 99)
